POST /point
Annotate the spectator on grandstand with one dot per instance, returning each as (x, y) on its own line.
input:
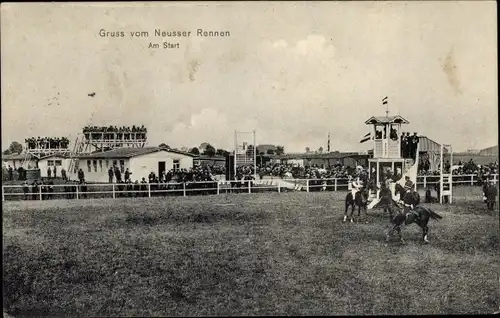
(47, 143)
(113, 132)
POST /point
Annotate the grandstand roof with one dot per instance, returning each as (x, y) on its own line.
(490, 151)
(386, 120)
(130, 152)
(426, 144)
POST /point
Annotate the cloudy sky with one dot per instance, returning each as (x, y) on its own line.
(292, 71)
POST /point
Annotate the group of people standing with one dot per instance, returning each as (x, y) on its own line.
(409, 145)
(47, 143)
(52, 173)
(113, 132)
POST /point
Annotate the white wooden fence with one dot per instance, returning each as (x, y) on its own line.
(77, 191)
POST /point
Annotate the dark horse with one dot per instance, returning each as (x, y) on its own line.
(360, 200)
(408, 197)
(386, 202)
(420, 216)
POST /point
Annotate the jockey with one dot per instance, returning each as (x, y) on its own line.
(408, 184)
(408, 208)
(357, 184)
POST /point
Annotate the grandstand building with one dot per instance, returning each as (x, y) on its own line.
(490, 151)
(139, 161)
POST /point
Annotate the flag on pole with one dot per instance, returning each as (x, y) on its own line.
(412, 173)
(365, 138)
(328, 142)
(385, 101)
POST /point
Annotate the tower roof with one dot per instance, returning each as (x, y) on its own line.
(386, 120)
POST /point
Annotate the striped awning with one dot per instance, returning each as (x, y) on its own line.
(428, 145)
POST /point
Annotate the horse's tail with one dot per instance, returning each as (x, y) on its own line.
(434, 215)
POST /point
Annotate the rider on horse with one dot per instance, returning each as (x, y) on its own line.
(408, 208)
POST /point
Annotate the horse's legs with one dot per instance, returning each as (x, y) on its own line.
(391, 232)
(425, 230)
(353, 206)
(400, 234)
(346, 208)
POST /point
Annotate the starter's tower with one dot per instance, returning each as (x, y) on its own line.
(387, 148)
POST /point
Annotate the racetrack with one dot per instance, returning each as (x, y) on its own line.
(244, 254)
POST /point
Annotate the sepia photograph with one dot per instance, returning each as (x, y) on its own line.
(250, 158)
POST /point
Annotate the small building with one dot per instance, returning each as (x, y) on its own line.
(139, 161)
(16, 161)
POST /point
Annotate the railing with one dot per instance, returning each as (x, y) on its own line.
(78, 191)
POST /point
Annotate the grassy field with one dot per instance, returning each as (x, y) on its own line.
(243, 254)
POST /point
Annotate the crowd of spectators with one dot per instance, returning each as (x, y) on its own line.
(300, 172)
(47, 143)
(113, 132)
(467, 168)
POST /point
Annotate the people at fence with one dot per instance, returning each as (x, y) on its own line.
(49, 172)
(127, 175)
(26, 190)
(111, 174)
(47, 142)
(63, 174)
(81, 175)
(113, 132)
(11, 173)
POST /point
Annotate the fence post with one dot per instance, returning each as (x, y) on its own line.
(149, 190)
(495, 178)
(425, 182)
(3, 193)
(471, 179)
(218, 187)
(335, 185)
(40, 191)
(77, 193)
(114, 195)
(279, 188)
(307, 185)
(184, 188)
(249, 188)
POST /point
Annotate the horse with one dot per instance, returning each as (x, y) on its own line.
(386, 202)
(408, 197)
(360, 200)
(422, 217)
